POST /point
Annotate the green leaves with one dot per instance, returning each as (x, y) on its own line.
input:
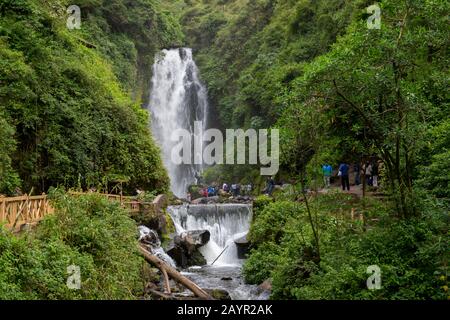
(66, 111)
(412, 254)
(87, 231)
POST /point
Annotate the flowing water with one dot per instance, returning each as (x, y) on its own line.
(177, 100)
(226, 223)
(156, 248)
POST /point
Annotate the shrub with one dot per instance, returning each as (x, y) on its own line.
(411, 253)
(261, 262)
(269, 222)
(87, 231)
(261, 202)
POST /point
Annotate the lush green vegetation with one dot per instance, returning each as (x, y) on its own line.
(314, 70)
(412, 254)
(89, 232)
(249, 52)
(71, 115)
(70, 110)
(338, 91)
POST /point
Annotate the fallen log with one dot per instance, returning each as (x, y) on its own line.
(161, 295)
(174, 274)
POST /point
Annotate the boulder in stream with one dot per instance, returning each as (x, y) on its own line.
(195, 238)
(184, 248)
(243, 245)
(218, 294)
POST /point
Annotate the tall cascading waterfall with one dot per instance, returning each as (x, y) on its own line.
(225, 222)
(177, 100)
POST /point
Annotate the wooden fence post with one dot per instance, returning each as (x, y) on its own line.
(2, 208)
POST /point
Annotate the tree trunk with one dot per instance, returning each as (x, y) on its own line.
(308, 209)
(174, 274)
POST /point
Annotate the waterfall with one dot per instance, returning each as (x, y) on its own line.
(225, 222)
(177, 100)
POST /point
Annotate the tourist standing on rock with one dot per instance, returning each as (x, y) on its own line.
(225, 187)
(327, 170)
(249, 189)
(343, 173)
(211, 191)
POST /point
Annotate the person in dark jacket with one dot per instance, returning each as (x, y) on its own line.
(343, 172)
(270, 186)
(357, 170)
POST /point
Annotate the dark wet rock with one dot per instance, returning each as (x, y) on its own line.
(183, 53)
(237, 199)
(195, 238)
(243, 246)
(226, 279)
(196, 259)
(200, 201)
(206, 200)
(149, 237)
(178, 254)
(218, 294)
(147, 218)
(214, 199)
(184, 248)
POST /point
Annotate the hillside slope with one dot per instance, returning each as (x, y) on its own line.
(70, 100)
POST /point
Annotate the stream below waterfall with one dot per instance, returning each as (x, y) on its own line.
(211, 277)
(226, 223)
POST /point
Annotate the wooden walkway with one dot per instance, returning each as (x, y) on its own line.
(16, 212)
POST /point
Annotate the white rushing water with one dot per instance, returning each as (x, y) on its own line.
(156, 248)
(177, 100)
(225, 222)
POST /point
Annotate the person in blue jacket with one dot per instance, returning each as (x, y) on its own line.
(343, 173)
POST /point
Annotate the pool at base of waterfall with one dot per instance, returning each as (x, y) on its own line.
(228, 278)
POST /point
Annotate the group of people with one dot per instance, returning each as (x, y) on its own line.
(236, 189)
(209, 191)
(370, 171)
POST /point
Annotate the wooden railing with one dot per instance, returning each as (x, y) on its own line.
(16, 212)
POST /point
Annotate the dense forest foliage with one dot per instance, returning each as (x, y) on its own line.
(249, 52)
(71, 115)
(335, 88)
(339, 92)
(70, 100)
